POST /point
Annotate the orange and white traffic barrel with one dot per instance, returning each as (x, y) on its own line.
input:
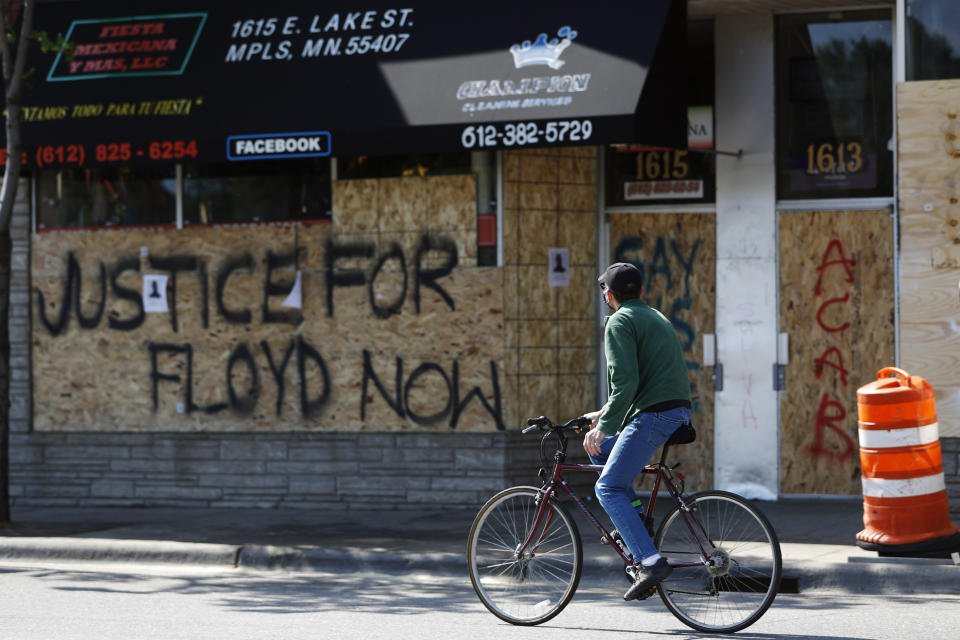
(905, 507)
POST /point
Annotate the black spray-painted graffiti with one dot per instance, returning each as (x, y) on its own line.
(313, 376)
(422, 277)
(244, 401)
(627, 250)
(274, 287)
(451, 411)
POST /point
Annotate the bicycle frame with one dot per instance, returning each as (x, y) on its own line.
(656, 470)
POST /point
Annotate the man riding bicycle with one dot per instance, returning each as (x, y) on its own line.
(648, 399)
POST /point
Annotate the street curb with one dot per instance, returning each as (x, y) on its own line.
(858, 575)
(105, 549)
(331, 558)
(880, 578)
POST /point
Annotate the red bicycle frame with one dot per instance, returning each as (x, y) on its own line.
(655, 469)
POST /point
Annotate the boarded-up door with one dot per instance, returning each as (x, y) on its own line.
(837, 305)
(677, 254)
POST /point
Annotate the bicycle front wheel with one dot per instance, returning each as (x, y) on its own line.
(533, 586)
(733, 563)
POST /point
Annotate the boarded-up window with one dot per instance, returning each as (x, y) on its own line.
(834, 89)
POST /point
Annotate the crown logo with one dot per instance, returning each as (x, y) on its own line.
(541, 51)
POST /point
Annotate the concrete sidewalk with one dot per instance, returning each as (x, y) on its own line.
(817, 539)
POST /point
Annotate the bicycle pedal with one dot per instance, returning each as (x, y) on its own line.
(644, 596)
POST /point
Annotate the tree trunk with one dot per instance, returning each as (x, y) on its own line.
(13, 68)
(4, 375)
(8, 196)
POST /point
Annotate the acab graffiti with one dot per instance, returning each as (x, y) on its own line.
(831, 413)
(171, 364)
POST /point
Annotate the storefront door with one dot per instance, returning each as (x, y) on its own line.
(677, 254)
(837, 306)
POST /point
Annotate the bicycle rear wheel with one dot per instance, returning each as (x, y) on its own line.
(742, 577)
(532, 587)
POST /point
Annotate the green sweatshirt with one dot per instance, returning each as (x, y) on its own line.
(645, 364)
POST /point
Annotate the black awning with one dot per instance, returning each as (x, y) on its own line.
(184, 81)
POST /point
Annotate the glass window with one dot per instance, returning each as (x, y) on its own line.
(483, 164)
(358, 167)
(834, 80)
(267, 191)
(933, 39)
(115, 196)
(636, 174)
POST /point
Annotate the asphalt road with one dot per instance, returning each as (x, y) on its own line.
(57, 600)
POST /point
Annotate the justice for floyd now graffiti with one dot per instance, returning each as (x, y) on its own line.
(242, 81)
(264, 328)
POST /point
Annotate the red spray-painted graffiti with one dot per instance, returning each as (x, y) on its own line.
(843, 259)
(831, 412)
(825, 361)
(827, 420)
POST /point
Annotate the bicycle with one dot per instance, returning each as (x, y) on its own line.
(525, 555)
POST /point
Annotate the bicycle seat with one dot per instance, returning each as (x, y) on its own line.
(685, 434)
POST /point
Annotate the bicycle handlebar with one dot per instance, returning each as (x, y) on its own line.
(544, 424)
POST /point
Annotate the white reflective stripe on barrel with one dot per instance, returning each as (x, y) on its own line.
(886, 488)
(909, 437)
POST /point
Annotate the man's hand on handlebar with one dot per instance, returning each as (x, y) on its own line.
(594, 417)
(591, 441)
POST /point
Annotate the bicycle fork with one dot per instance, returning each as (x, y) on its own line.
(542, 523)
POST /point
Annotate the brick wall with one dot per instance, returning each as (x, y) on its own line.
(296, 470)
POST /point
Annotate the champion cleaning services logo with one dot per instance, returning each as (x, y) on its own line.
(542, 51)
(535, 91)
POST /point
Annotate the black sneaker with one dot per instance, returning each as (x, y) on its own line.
(647, 578)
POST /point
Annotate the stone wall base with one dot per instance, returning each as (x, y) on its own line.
(294, 470)
(288, 470)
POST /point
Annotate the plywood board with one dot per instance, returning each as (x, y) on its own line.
(551, 332)
(836, 304)
(677, 253)
(928, 123)
(391, 335)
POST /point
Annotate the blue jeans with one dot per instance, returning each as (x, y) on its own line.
(624, 456)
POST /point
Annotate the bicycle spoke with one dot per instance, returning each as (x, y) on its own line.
(495, 545)
(562, 547)
(543, 568)
(553, 559)
(556, 535)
